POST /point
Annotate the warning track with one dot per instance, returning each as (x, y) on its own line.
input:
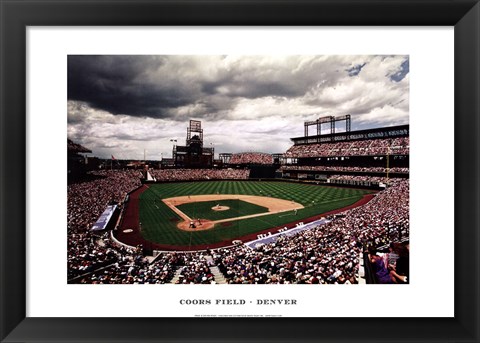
(131, 220)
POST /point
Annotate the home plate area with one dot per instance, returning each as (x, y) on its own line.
(202, 212)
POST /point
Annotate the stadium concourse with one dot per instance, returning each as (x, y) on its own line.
(329, 253)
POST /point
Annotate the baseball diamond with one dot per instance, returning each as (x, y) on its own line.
(289, 170)
(166, 210)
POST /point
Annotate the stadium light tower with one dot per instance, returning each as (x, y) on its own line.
(213, 149)
(174, 149)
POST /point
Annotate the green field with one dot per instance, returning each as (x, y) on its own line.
(203, 209)
(159, 222)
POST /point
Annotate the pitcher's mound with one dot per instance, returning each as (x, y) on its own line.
(220, 208)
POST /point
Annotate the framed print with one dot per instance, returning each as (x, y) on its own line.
(331, 111)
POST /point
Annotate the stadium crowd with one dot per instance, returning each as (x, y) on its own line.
(199, 174)
(362, 178)
(326, 254)
(131, 267)
(251, 158)
(347, 169)
(195, 270)
(369, 147)
(86, 252)
(86, 201)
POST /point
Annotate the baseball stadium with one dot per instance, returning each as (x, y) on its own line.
(330, 209)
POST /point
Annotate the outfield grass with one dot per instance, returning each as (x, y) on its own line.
(159, 222)
(237, 208)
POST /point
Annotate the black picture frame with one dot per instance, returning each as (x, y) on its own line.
(17, 15)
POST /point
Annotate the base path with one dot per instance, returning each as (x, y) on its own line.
(274, 205)
(129, 231)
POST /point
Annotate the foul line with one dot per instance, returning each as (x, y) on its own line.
(286, 215)
(320, 203)
(177, 211)
(187, 218)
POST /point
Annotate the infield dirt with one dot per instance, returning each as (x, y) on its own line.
(274, 205)
(134, 238)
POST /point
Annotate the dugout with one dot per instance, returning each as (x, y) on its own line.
(107, 219)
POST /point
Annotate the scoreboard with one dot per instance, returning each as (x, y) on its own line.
(195, 125)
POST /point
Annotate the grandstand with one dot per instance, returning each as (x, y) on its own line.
(251, 158)
(327, 250)
(260, 164)
(357, 158)
(76, 162)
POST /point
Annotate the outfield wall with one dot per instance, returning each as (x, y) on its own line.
(374, 187)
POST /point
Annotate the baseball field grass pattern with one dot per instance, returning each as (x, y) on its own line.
(159, 222)
(237, 208)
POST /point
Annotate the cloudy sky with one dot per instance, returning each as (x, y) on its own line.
(123, 105)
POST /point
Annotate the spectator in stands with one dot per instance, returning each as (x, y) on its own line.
(400, 270)
(381, 272)
(392, 256)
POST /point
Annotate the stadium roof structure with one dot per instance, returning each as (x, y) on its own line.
(382, 132)
(76, 148)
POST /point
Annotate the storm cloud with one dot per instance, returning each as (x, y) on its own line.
(131, 101)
